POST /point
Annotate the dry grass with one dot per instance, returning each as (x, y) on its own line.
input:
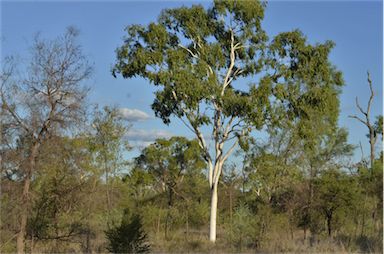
(275, 242)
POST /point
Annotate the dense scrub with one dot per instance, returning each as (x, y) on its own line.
(71, 212)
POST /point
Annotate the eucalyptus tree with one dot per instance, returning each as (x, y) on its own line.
(47, 101)
(199, 59)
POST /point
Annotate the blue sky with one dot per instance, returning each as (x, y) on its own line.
(355, 26)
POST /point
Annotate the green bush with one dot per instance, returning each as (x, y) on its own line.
(128, 237)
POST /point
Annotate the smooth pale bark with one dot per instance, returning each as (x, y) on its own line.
(212, 223)
(215, 182)
(220, 134)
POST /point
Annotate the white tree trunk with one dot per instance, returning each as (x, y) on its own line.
(212, 225)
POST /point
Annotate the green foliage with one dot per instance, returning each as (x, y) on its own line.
(188, 51)
(330, 149)
(377, 176)
(336, 193)
(59, 191)
(371, 179)
(244, 229)
(107, 140)
(108, 145)
(137, 186)
(379, 125)
(270, 176)
(197, 57)
(168, 161)
(128, 237)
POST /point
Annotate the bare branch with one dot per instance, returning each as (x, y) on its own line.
(189, 51)
(360, 108)
(227, 79)
(201, 140)
(207, 156)
(230, 150)
(220, 162)
(358, 118)
(210, 70)
(370, 97)
(15, 116)
(227, 128)
(372, 132)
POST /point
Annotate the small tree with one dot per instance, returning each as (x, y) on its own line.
(244, 228)
(128, 237)
(108, 144)
(169, 161)
(336, 192)
(61, 189)
(322, 153)
(195, 56)
(49, 100)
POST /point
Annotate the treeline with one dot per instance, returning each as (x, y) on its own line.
(85, 197)
(67, 185)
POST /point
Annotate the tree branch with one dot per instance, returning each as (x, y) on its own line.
(230, 150)
(15, 115)
(210, 70)
(227, 79)
(370, 97)
(358, 118)
(200, 138)
(360, 108)
(189, 51)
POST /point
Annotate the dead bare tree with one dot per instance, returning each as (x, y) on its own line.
(49, 100)
(372, 132)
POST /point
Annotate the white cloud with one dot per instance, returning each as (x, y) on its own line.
(147, 135)
(133, 114)
(143, 138)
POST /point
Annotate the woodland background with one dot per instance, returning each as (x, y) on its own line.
(68, 186)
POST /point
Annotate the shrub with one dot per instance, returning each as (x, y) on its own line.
(128, 237)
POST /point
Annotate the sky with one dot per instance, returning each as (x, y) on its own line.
(355, 26)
